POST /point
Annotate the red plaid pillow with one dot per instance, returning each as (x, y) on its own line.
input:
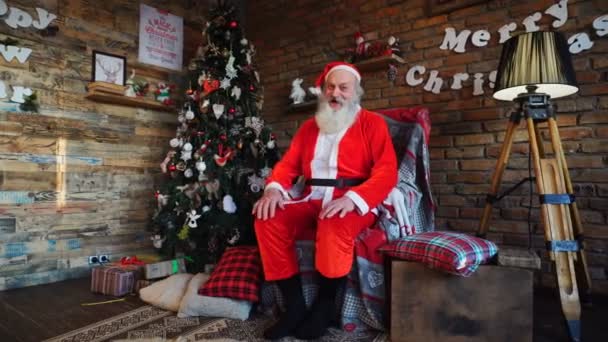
(452, 252)
(237, 275)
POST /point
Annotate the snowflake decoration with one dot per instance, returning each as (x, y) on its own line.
(255, 123)
(256, 184)
(265, 172)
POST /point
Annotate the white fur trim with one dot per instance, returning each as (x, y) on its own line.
(359, 202)
(278, 186)
(346, 68)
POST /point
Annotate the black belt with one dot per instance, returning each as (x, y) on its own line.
(337, 183)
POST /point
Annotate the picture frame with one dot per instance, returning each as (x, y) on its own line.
(437, 7)
(109, 68)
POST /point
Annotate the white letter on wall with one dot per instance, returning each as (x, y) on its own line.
(530, 22)
(453, 42)
(410, 78)
(601, 25)
(17, 17)
(560, 11)
(505, 32)
(434, 83)
(44, 19)
(458, 78)
(18, 93)
(480, 38)
(9, 52)
(579, 42)
(478, 84)
(492, 79)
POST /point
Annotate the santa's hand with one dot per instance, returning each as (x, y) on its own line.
(266, 206)
(396, 199)
(342, 205)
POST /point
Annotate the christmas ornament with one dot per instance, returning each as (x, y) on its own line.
(225, 83)
(218, 110)
(189, 113)
(201, 166)
(230, 69)
(236, 93)
(206, 208)
(161, 200)
(192, 217)
(188, 173)
(213, 188)
(162, 93)
(244, 42)
(256, 184)
(223, 156)
(175, 142)
(163, 165)
(184, 232)
(181, 118)
(254, 123)
(157, 241)
(186, 152)
(228, 204)
(271, 144)
(233, 24)
(265, 172)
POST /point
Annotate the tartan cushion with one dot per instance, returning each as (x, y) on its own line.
(451, 252)
(237, 275)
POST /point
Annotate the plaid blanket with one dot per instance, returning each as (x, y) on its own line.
(363, 303)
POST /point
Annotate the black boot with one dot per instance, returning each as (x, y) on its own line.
(316, 323)
(295, 309)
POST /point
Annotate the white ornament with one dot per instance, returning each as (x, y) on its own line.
(270, 144)
(206, 208)
(175, 142)
(230, 70)
(187, 147)
(236, 92)
(157, 241)
(181, 118)
(218, 110)
(254, 123)
(188, 173)
(559, 11)
(256, 184)
(189, 114)
(225, 83)
(244, 42)
(297, 93)
(192, 217)
(228, 204)
(205, 104)
(186, 155)
(201, 166)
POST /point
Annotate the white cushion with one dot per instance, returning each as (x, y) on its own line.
(194, 304)
(166, 294)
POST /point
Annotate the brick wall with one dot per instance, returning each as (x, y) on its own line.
(296, 38)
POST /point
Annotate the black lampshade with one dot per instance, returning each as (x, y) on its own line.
(536, 58)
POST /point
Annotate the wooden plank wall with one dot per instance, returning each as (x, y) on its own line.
(78, 177)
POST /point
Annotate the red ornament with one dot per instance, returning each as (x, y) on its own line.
(189, 92)
(172, 167)
(251, 87)
(272, 136)
(233, 24)
(231, 110)
(200, 133)
(223, 137)
(156, 194)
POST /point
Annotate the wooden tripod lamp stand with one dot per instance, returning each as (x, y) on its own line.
(534, 68)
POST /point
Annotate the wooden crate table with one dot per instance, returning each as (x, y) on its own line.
(494, 304)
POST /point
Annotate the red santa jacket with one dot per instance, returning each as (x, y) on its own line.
(363, 151)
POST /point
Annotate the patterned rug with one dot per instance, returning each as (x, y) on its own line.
(149, 323)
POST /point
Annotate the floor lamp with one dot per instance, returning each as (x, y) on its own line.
(535, 68)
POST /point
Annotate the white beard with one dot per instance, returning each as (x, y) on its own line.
(332, 121)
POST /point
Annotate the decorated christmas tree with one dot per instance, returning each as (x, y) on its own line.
(222, 152)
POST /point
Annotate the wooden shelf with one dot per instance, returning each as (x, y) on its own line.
(101, 96)
(379, 62)
(307, 105)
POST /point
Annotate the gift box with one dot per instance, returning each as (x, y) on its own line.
(113, 280)
(165, 268)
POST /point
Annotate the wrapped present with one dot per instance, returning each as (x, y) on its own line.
(112, 280)
(165, 268)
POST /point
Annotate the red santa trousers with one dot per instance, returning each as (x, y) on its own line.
(334, 241)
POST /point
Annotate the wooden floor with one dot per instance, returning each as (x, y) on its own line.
(40, 312)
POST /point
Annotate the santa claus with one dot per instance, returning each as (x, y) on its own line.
(346, 155)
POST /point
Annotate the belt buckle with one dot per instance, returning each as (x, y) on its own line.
(340, 183)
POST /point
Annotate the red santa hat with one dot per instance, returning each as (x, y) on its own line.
(333, 66)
